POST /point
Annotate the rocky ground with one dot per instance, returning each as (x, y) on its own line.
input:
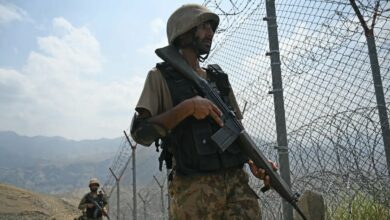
(21, 204)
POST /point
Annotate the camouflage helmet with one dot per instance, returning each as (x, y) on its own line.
(187, 17)
(93, 181)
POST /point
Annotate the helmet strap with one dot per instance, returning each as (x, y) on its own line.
(194, 45)
(203, 58)
(190, 42)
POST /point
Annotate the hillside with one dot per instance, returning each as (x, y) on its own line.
(21, 204)
(56, 165)
(24, 151)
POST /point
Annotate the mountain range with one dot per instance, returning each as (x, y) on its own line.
(58, 165)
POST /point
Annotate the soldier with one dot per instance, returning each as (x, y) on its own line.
(206, 182)
(94, 204)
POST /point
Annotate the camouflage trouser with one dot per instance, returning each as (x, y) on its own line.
(226, 195)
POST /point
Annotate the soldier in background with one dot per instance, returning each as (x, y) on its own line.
(94, 204)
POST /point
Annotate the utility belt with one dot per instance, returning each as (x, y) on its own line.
(222, 171)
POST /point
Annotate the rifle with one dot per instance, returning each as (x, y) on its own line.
(232, 129)
(99, 208)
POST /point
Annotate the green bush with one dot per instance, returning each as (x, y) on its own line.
(359, 208)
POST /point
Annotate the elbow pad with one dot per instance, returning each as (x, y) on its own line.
(145, 132)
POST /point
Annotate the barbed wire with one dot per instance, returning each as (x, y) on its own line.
(335, 142)
(118, 165)
(121, 168)
(334, 133)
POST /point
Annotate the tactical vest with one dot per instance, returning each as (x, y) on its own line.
(190, 141)
(95, 212)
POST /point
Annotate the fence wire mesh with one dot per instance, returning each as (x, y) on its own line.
(118, 166)
(335, 139)
(334, 133)
(148, 191)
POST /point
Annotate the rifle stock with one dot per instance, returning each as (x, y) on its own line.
(233, 129)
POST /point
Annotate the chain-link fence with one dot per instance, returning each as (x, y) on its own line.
(118, 166)
(151, 196)
(334, 132)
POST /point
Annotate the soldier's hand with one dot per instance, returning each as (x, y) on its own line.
(90, 205)
(204, 107)
(260, 173)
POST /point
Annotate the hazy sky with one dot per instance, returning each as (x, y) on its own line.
(75, 68)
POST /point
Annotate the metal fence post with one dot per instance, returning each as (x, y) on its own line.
(133, 147)
(162, 196)
(380, 97)
(277, 91)
(117, 179)
(376, 75)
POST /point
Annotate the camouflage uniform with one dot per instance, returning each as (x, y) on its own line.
(100, 198)
(83, 205)
(225, 195)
